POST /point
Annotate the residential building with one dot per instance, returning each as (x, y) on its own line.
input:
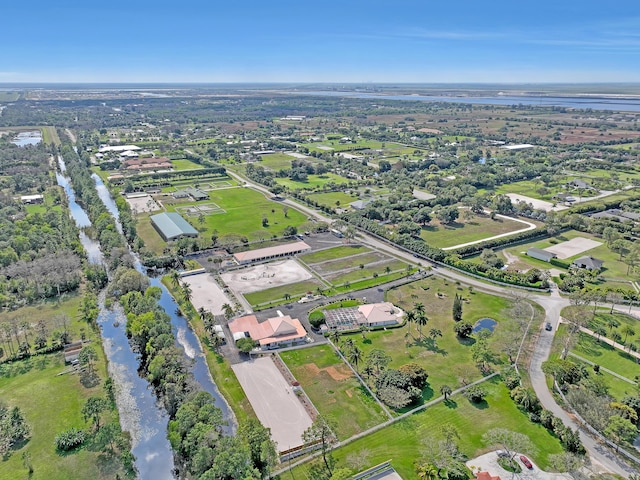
(273, 333)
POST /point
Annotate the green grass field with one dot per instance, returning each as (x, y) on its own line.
(313, 181)
(616, 322)
(607, 356)
(478, 228)
(276, 161)
(244, 211)
(185, 164)
(9, 96)
(333, 253)
(404, 441)
(366, 272)
(333, 389)
(329, 199)
(276, 293)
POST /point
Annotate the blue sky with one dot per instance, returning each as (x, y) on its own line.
(320, 41)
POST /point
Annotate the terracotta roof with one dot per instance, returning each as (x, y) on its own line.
(486, 476)
(277, 329)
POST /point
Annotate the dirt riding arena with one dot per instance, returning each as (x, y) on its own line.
(572, 247)
(267, 275)
(206, 293)
(338, 374)
(142, 203)
(274, 401)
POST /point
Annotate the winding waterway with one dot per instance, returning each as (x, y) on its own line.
(141, 413)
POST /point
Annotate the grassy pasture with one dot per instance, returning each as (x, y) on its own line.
(313, 181)
(477, 228)
(276, 161)
(276, 293)
(333, 253)
(403, 442)
(329, 199)
(333, 389)
(184, 164)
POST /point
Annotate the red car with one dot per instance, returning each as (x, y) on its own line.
(526, 462)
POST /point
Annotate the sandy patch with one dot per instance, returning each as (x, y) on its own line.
(267, 275)
(274, 401)
(297, 155)
(141, 204)
(537, 204)
(206, 293)
(572, 247)
(334, 373)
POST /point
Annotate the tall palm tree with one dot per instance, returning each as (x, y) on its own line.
(355, 356)
(228, 310)
(427, 471)
(421, 321)
(175, 278)
(435, 333)
(187, 293)
(411, 317)
(626, 331)
(420, 312)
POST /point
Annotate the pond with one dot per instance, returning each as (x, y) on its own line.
(27, 138)
(484, 323)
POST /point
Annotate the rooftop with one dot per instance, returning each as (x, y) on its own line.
(172, 225)
(277, 329)
(285, 249)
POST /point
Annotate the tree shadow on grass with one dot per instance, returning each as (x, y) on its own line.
(467, 341)
(482, 405)
(449, 403)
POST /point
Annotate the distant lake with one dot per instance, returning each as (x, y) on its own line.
(595, 103)
(27, 138)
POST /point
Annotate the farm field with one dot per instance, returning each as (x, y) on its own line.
(276, 161)
(331, 199)
(404, 441)
(244, 209)
(185, 164)
(333, 253)
(333, 389)
(478, 228)
(313, 181)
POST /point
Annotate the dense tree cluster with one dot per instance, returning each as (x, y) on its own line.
(13, 428)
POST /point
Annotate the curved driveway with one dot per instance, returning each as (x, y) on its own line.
(552, 304)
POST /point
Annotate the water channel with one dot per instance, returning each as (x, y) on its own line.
(141, 413)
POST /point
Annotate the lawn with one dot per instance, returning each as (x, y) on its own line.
(367, 272)
(276, 293)
(616, 322)
(606, 356)
(334, 389)
(348, 262)
(329, 199)
(404, 441)
(276, 161)
(478, 228)
(244, 208)
(313, 181)
(333, 253)
(618, 388)
(185, 164)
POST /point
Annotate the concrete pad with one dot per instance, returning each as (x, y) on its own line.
(206, 293)
(274, 401)
(537, 204)
(572, 247)
(267, 275)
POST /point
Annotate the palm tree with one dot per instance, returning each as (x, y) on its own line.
(334, 336)
(348, 344)
(187, 293)
(599, 330)
(203, 313)
(355, 356)
(446, 390)
(427, 471)
(419, 310)
(175, 278)
(411, 317)
(287, 296)
(228, 310)
(626, 331)
(421, 321)
(435, 333)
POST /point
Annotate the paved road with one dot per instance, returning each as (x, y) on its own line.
(552, 304)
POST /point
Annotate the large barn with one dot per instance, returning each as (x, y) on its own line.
(171, 226)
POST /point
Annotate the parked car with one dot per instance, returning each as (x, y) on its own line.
(526, 462)
(548, 327)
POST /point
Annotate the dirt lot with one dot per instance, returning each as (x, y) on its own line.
(575, 246)
(268, 275)
(142, 204)
(274, 401)
(206, 293)
(539, 204)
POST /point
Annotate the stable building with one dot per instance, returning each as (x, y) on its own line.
(270, 253)
(541, 254)
(588, 263)
(171, 226)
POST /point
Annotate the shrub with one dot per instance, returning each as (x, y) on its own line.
(463, 329)
(70, 439)
(475, 394)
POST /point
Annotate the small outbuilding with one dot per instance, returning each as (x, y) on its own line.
(588, 263)
(541, 254)
(171, 226)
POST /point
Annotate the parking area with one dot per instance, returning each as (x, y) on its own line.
(489, 463)
(274, 401)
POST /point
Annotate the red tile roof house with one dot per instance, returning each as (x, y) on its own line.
(273, 333)
(147, 164)
(486, 476)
